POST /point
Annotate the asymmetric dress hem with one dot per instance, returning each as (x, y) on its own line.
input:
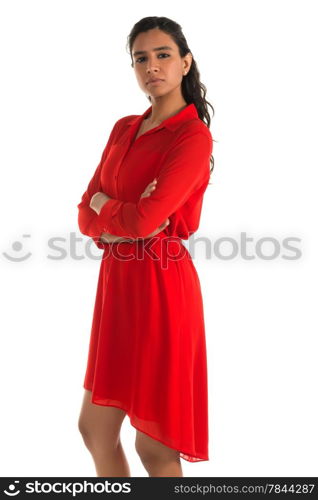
(133, 421)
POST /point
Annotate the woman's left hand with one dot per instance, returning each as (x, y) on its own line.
(97, 201)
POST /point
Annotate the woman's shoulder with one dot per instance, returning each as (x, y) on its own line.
(125, 120)
(198, 125)
(119, 125)
(193, 127)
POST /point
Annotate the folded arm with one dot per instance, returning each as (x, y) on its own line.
(186, 168)
(86, 215)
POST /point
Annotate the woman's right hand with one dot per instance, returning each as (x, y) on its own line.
(149, 189)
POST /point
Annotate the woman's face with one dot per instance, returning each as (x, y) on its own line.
(165, 64)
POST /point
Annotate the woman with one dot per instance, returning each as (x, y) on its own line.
(147, 352)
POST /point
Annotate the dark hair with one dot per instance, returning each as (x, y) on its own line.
(193, 90)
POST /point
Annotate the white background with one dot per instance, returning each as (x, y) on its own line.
(66, 78)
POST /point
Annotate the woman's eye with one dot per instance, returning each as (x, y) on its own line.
(161, 54)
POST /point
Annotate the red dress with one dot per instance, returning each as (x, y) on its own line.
(147, 351)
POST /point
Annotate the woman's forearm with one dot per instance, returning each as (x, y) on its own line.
(111, 238)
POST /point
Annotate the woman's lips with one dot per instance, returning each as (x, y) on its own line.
(154, 82)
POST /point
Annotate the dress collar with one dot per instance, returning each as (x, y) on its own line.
(172, 123)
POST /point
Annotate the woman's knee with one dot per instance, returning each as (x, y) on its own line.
(100, 425)
(152, 451)
(85, 429)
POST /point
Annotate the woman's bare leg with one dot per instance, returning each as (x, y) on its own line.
(159, 460)
(100, 428)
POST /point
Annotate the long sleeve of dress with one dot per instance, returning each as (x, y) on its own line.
(87, 217)
(186, 169)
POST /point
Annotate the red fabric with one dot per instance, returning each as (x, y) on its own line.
(147, 351)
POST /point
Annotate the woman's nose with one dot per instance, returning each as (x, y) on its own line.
(152, 64)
